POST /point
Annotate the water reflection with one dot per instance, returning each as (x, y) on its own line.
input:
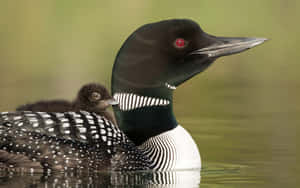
(187, 179)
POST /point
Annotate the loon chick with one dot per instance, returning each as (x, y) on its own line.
(152, 62)
(91, 97)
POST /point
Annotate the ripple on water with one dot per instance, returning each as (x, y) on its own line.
(184, 178)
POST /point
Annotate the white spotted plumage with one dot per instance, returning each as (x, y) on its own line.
(173, 149)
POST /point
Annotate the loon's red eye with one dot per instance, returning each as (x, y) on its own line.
(180, 43)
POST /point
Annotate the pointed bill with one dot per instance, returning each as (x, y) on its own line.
(224, 46)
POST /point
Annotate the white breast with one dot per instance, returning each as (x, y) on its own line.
(172, 150)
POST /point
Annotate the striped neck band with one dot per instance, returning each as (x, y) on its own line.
(172, 150)
(130, 101)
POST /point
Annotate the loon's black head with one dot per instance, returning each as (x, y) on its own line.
(154, 60)
(171, 52)
(93, 97)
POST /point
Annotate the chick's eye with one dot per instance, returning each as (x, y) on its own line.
(180, 43)
(95, 96)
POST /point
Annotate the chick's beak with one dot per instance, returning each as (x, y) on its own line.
(103, 104)
(112, 101)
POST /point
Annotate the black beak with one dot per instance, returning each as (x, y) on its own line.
(223, 46)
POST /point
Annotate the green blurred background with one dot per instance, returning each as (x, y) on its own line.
(243, 110)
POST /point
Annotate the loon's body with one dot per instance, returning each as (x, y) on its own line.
(91, 97)
(63, 141)
(152, 62)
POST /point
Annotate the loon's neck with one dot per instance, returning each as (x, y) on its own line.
(144, 113)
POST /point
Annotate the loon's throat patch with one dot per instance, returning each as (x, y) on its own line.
(131, 101)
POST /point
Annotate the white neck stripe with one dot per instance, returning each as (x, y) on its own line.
(130, 101)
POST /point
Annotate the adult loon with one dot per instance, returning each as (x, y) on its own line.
(152, 62)
(92, 97)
